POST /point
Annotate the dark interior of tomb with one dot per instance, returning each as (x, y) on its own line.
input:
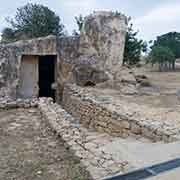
(46, 76)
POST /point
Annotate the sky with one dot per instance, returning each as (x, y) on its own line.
(151, 18)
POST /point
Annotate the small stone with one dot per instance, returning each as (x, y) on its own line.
(125, 124)
(136, 129)
(12, 104)
(39, 172)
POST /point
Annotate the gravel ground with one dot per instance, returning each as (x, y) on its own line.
(30, 151)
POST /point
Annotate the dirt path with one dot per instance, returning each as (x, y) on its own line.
(30, 151)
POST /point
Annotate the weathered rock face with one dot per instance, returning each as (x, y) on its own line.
(102, 40)
(67, 52)
(98, 53)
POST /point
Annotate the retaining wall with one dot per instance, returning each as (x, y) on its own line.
(93, 114)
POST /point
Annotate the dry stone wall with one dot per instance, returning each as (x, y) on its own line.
(93, 114)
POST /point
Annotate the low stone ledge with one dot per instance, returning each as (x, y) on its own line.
(18, 103)
(86, 144)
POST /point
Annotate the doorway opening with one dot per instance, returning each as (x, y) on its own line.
(46, 76)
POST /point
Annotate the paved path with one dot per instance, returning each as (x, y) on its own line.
(30, 151)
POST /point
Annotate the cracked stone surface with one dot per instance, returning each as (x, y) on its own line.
(29, 150)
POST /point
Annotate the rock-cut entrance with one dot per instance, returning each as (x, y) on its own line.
(37, 74)
(46, 76)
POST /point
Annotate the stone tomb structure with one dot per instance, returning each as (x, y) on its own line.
(40, 67)
(23, 66)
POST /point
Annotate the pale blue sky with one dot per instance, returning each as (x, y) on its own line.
(151, 18)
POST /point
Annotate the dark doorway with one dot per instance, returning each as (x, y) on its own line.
(46, 76)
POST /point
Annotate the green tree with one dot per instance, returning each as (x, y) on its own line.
(170, 40)
(163, 56)
(8, 35)
(34, 20)
(133, 47)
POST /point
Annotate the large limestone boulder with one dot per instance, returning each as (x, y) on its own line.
(102, 41)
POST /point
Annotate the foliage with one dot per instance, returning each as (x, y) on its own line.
(8, 35)
(79, 21)
(34, 20)
(133, 47)
(170, 40)
(163, 56)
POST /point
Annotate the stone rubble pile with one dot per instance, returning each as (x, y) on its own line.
(86, 144)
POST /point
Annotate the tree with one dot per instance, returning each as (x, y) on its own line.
(79, 21)
(170, 40)
(163, 56)
(8, 35)
(133, 47)
(34, 20)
